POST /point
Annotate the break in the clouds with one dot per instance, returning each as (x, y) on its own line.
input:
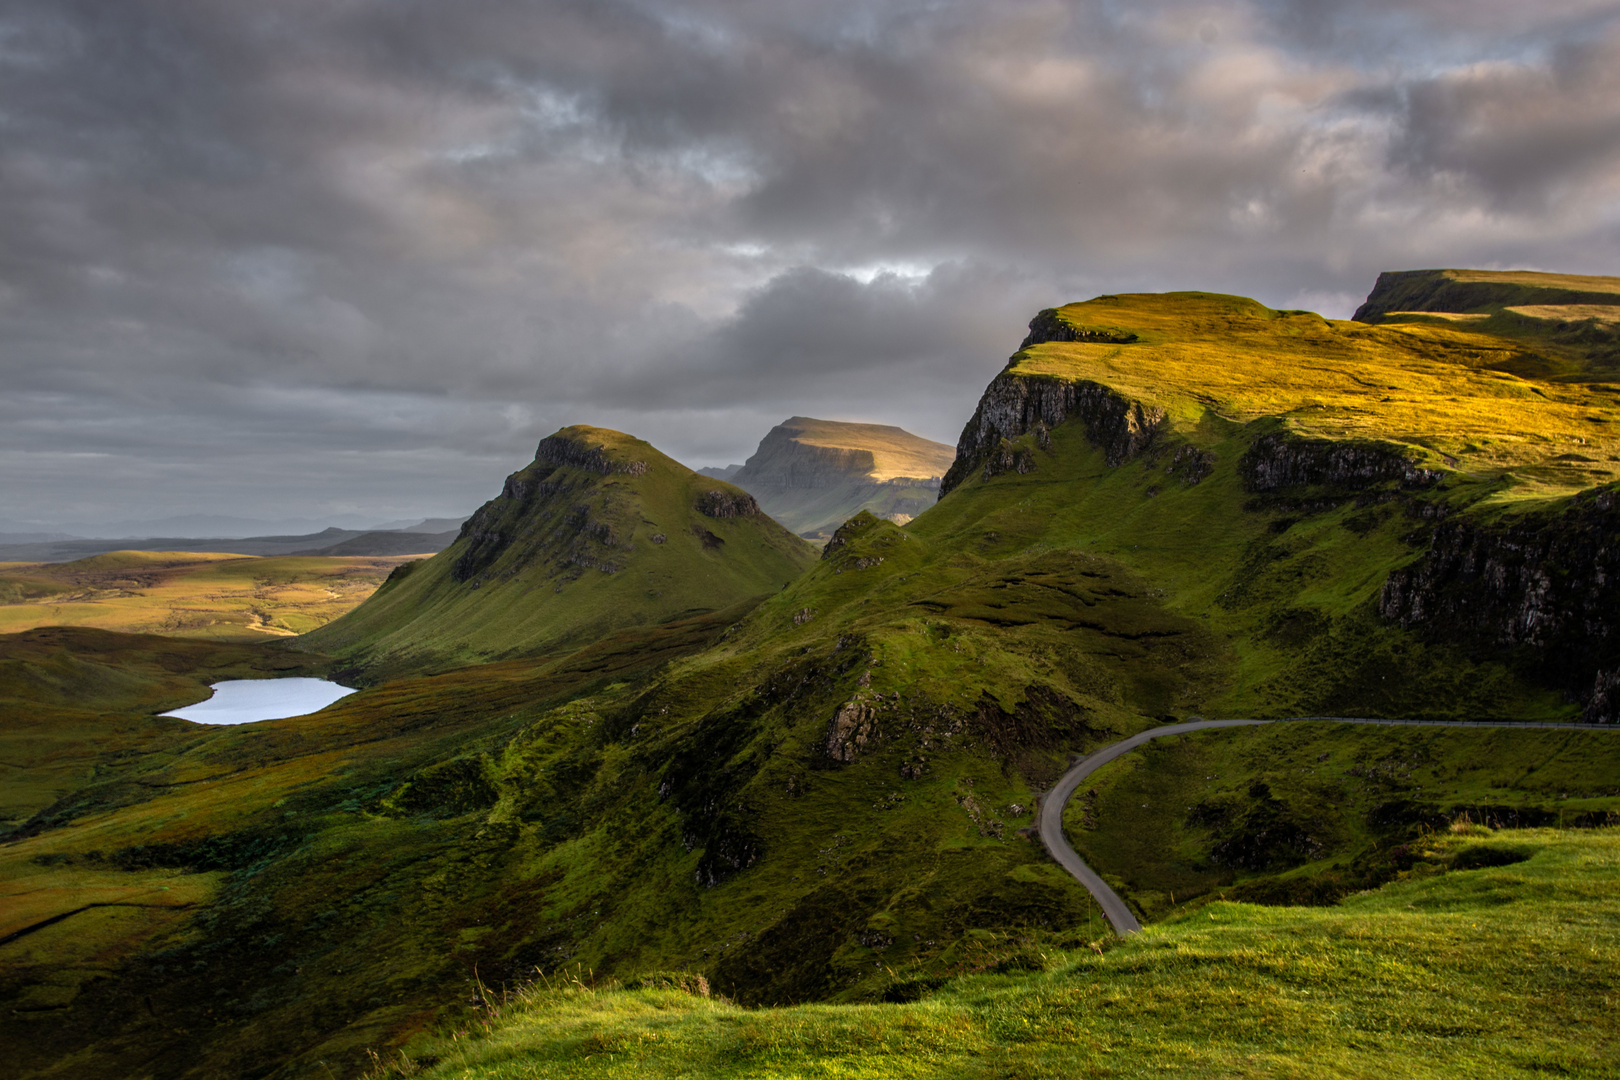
(300, 257)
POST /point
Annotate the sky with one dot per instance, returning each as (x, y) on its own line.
(351, 259)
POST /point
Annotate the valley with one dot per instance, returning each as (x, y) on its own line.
(639, 780)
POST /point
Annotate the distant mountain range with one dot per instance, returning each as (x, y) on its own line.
(424, 537)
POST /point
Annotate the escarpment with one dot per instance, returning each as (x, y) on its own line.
(1015, 404)
(1282, 460)
(1544, 585)
(812, 475)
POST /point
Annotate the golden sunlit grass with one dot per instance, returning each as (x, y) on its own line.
(189, 594)
(1568, 312)
(1449, 394)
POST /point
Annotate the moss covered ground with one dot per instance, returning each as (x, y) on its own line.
(1311, 812)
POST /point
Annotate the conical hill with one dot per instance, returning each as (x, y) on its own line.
(600, 532)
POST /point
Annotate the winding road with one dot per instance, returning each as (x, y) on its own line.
(1053, 802)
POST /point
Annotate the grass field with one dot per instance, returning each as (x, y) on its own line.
(189, 594)
(1494, 956)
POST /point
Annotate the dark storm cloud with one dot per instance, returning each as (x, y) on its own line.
(363, 254)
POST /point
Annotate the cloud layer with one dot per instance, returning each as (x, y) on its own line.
(309, 257)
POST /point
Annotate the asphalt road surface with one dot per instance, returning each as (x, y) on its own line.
(1053, 802)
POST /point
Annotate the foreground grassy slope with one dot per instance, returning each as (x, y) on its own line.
(600, 533)
(1492, 957)
(226, 597)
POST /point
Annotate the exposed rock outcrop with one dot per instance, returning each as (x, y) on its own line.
(1544, 585)
(1048, 325)
(851, 728)
(559, 450)
(1281, 460)
(727, 504)
(1014, 405)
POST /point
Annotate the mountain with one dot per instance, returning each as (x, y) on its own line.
(718, 472)
(216, 525)
(388, 542)
(332, 541)
(813, 475)
(420, 525)
(600, 533)
(1569, 323)
(1163, 506)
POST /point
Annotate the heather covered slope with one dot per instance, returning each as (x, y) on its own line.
(813, 475)
(600, 533)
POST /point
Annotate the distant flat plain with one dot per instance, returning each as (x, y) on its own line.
(190, 594)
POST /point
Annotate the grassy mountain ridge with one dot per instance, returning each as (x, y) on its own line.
(821, 794)
(1571, 323)
(601, 532)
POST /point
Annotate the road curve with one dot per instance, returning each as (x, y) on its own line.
(1054, 801)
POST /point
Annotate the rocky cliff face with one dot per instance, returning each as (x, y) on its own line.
(812, 475)
(1545, 587)
(784, 463)
(1281, 460)
(1049, 326)
(1014, 405)
(550, 517)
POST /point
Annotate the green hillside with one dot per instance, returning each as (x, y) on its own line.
(1492, 957)
(600, 533)
(819, 798)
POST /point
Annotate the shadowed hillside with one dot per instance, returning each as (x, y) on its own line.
(600, 533)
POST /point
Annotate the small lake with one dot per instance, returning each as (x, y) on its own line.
(243, 701)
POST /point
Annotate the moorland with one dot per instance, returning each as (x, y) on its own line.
(639, 781)
(192, 594)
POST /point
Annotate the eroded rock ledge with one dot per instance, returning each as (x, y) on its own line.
(727, 504)
(1280, 461)
(1546, 583)
(1014, 404)
(561, 451)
